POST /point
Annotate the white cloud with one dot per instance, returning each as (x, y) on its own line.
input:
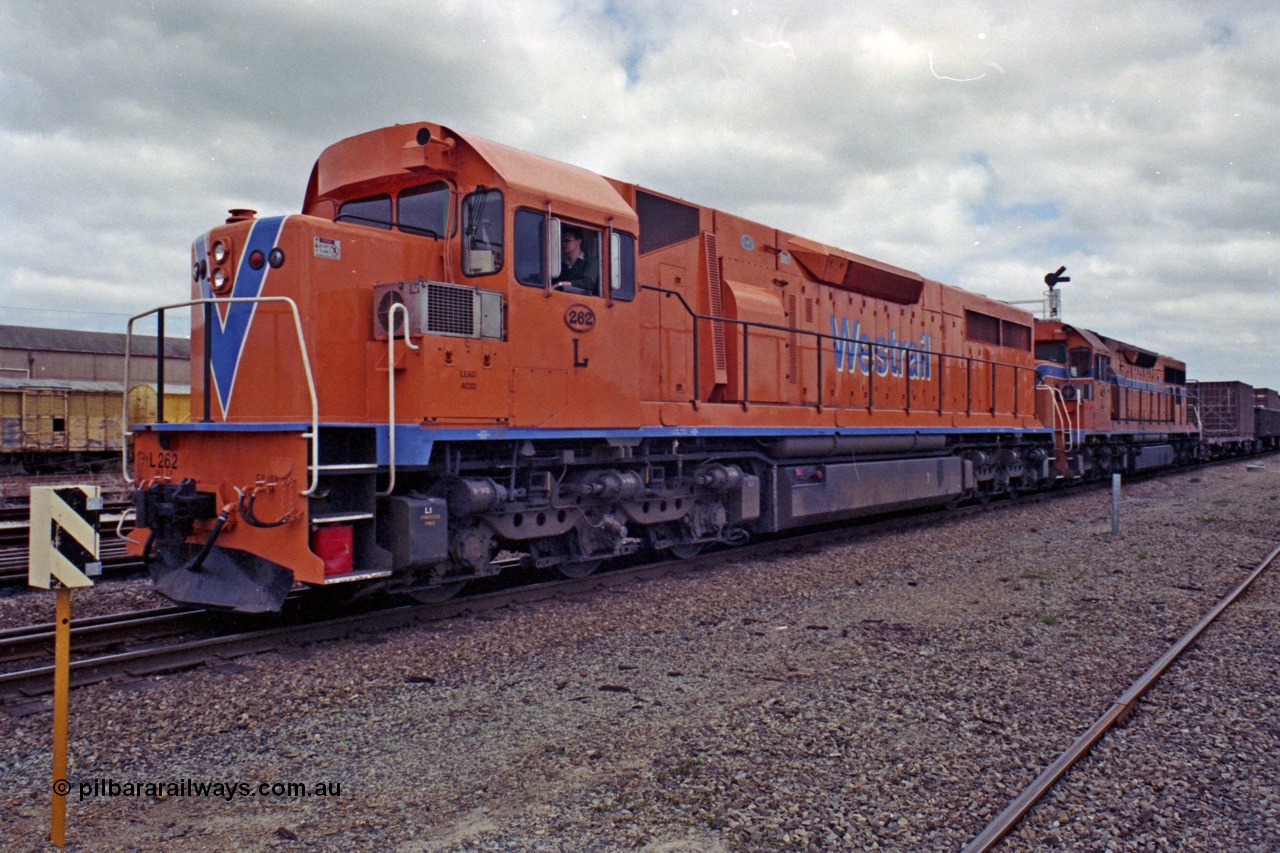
(981, 143)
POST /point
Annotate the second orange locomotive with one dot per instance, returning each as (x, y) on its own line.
(459, 348)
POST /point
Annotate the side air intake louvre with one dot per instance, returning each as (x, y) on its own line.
(436, 308)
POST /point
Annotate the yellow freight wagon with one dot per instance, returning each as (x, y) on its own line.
(49, 427)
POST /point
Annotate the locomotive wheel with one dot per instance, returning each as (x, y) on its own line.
(436, 594)
(687, 551)
(579, 568)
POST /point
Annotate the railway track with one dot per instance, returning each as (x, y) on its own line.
(22, 690)
(14, 562)
(15, 490)
(95, 633)
(25, 690)
(861, 629)
(208, 650)
(1118, 714)
(15, 535)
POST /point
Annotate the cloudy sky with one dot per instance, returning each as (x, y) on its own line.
(982, 143)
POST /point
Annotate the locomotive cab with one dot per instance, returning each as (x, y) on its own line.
(354, 364)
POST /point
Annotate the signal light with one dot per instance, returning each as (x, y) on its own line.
(257, 259)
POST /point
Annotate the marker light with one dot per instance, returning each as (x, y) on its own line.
(276, 258)
(257, 259)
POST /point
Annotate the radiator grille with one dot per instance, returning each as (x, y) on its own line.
(714, 284)
(451, 309)
(436, 308)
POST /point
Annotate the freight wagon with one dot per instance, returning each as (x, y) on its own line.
(71, 426)
(1228, 417)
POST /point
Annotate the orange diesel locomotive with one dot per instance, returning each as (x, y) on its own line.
(1122, 408)
(459, 348)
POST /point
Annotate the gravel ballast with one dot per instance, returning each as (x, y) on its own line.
(891, 694)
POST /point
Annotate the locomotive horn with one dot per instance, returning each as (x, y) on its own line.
(1056, 277)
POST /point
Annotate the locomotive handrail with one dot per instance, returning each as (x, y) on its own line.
(822, 337)
(391, 388)
(1060, 404)
(314, 435)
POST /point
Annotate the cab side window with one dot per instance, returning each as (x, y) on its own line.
(584, 261)
(1081, 362)
(482, 237)
(622, 272)
(531, 238)
(579, 261)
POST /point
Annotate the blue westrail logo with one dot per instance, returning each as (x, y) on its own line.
(856, 351)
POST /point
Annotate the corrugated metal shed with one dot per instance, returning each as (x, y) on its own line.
(89, 386)
(100, 343)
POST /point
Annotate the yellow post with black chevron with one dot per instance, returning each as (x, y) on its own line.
(63, 551)
(64, 535)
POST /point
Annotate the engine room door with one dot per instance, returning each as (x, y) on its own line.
(676, 338)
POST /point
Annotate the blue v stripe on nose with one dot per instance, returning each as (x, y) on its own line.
(230, 330)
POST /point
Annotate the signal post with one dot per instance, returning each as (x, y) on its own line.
(64, 550)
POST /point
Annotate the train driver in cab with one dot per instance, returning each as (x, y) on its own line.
(579, 270)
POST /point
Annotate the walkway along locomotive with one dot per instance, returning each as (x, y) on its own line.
(400, 382)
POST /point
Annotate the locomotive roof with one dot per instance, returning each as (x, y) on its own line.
(1121, 345)
(1093, 338)
(363, 160)
(101, 343)
(1131, 353)
(551, 178)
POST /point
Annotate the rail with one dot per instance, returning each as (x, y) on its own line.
(314, 435)
(1119, 711)
(905, 354)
